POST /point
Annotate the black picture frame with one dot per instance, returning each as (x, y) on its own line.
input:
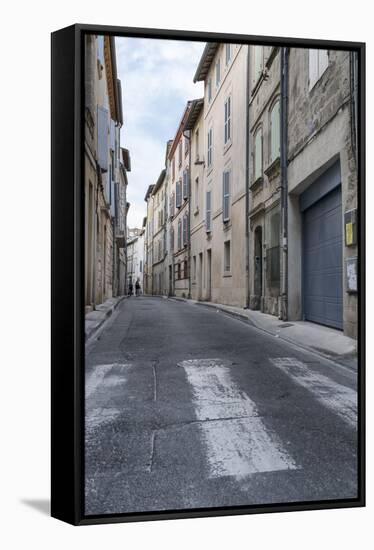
(67, 359)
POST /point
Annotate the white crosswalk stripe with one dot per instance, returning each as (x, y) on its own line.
(338, 398)
(236, 439)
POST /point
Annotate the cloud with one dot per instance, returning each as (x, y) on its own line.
(157, 81)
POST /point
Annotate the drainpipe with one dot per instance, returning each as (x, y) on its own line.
(284, 182)
(189, 213)
(247, 144)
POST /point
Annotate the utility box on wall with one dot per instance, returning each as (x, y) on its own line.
(351, 272)
(350, 227)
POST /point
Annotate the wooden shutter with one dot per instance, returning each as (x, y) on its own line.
(102, 138)
(275, 131)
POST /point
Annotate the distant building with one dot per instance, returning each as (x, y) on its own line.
(135, 259)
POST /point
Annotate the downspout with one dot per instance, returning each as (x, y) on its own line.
(189, 214)
(284, 181)
(247, 145)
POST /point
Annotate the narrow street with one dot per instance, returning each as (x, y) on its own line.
(187, 407)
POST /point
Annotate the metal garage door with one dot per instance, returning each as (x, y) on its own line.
(322, 259)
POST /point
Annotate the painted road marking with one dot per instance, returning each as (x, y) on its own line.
(237, 441)
(340, 399)
(101, 379)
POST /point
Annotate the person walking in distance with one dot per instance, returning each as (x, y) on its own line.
(130, 288)
(137, 287)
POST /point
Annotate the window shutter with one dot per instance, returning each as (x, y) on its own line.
(112, 135)
(258, 155)
(229, 118)
(275, 131)
(102, 138)
(179, 235)
(208, 211)
(226, 196)
(185, 184)
(100, 49)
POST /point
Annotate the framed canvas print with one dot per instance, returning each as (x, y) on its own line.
(207, 274)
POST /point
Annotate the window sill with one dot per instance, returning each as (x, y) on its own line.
(257, 184)
(227, 274)
(273, 169)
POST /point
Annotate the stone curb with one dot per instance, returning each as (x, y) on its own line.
(101, 315)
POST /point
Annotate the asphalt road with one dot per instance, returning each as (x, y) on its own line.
(187, 407)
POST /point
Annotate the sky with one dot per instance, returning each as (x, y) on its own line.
(157, 81)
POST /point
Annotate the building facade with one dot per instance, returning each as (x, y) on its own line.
(135, 257)
(322, 187)
(223, 68)
(264, 180)
(179, 209)
(104, 184)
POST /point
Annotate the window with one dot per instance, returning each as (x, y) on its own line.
(140, 266)
(196, 194)
(185, 269)
(173, 168)
(100, 50)
(180, 153)
(210, 147)
(318, 63)
(275, 131)
(218, 72)
(227, 257)
(179, 271)
(185, 146)
(171, 205)
(209, 89)
(194, 268)
(226, 196)
(171, 239)
(185, 184)
(227, 120)
(197, 145)
(228, 53)
(208, 212)
(258, 62)
(185, 229)
(178, 194)
(258, 155)
(179, 234)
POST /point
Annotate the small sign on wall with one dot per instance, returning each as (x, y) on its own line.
(351, 272)
(350, 227)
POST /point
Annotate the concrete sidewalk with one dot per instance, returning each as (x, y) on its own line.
(328, 342)
(95, 319)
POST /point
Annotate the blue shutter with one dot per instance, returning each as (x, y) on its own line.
(102, 138)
